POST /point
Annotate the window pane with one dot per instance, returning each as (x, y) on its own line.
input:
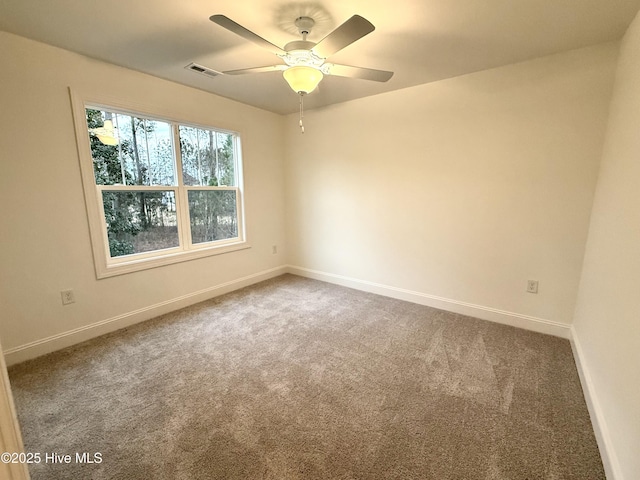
(213, 215)
(207, 157)
(129, 150)
(140, 221)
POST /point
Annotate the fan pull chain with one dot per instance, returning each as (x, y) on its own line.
(301, 113)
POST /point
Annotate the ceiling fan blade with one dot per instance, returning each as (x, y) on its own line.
(353, 29)
(358, 72)
(238, 29)
(270, 68)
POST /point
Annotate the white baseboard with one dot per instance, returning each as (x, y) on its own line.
(535, 324)
(609, 458)
(81, 334)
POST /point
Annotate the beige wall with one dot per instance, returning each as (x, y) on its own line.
(607, 320)
(462, 189)
(44, 239)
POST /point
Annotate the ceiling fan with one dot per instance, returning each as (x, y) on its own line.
(305, 62)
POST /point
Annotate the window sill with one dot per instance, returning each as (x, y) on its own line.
(124, 267)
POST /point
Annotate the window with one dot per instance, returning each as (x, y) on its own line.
(158, 191)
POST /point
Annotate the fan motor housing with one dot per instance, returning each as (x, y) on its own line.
(299, 45)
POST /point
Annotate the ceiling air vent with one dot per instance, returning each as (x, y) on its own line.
(203, 70)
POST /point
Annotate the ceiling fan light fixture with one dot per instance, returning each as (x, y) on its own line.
(106, 134)
(303, 79)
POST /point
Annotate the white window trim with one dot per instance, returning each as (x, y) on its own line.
(105, 266)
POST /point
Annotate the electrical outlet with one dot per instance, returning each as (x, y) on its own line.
(532, 286)
(274, 249)
(67, 297)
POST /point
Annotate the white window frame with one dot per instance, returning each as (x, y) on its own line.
(107, 266)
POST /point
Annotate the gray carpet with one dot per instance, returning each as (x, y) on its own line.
(298, 379)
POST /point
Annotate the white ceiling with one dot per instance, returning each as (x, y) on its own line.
(420, 40)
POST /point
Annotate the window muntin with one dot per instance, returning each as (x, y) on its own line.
(155, 199)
